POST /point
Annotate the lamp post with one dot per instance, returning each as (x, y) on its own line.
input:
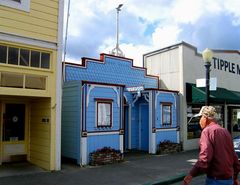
(207, 57)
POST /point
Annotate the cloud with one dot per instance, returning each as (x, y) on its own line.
(149, 25)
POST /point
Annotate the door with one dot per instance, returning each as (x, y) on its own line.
(14, 133)
(144, 128)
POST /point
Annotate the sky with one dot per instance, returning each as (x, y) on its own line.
(148, 25)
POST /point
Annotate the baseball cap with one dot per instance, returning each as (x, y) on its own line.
(208, 111)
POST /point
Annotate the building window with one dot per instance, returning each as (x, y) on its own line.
(193, 127)
(17, 80)
(3, 54)
(166, 114)
(23, 5)
(104, 113)
(45, 58)
(13, 56)
(35, 59)
(24, 57)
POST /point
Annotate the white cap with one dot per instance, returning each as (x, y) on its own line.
(208, 111)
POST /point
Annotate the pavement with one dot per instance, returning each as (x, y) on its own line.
(137, 169)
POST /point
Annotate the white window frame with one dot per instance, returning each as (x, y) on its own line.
(169, 115)
(24, 5)
(109, 102)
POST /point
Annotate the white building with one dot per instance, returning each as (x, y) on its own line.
(178, 67)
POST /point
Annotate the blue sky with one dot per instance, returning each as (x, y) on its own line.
(149, 25)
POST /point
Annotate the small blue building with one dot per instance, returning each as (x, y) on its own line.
(111, 103)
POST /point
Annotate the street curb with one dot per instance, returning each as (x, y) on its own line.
(170, 180)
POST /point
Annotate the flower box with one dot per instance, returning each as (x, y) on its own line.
(104, 156)
(166, 147)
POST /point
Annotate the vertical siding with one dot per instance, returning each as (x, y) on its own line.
(71, 120)
(40, 133)
(166, 66)
(40, 23)
(100, 141)
(166, 135)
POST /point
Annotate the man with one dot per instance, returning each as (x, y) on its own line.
(217, 158)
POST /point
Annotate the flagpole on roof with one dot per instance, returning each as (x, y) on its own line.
(117, 51)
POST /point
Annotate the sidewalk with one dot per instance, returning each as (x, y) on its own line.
(137, 169)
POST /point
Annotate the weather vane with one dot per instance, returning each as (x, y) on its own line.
(117, 51)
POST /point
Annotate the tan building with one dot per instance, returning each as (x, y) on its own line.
(30, 81)
(179, 66)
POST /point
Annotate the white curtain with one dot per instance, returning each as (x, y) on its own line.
(104, 114)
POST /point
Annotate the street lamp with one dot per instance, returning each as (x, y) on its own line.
(207, 58)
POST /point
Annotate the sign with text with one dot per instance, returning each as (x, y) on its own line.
(137, 88)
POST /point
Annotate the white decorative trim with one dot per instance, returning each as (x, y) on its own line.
(59, 88)
(146, 97)
(178, 137)
(156, 99)
(102, 133)
(118, 97)
(121, 143)
(166, 129)
(28, 41)
(112, 87)
(152, 139)
(23, 5)
(153, 149)
(83, 154)
(126, 98)
(135, 97)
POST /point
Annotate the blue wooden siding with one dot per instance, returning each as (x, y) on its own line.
(165, 98)
(71, 120)
(112, 70)
(99, 141)
(107, 93)
(170, 135)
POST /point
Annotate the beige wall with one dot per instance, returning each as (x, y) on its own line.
(41, 22)
(40, 143)
(166, 66)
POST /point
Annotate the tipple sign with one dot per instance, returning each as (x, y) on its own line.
(227, 66)
(131, 89)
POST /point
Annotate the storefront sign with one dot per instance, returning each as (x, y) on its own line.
(138, 88)
(225, 65)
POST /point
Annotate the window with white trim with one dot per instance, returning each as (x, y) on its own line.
(166, 114)
(23, 5)
(104, 113)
